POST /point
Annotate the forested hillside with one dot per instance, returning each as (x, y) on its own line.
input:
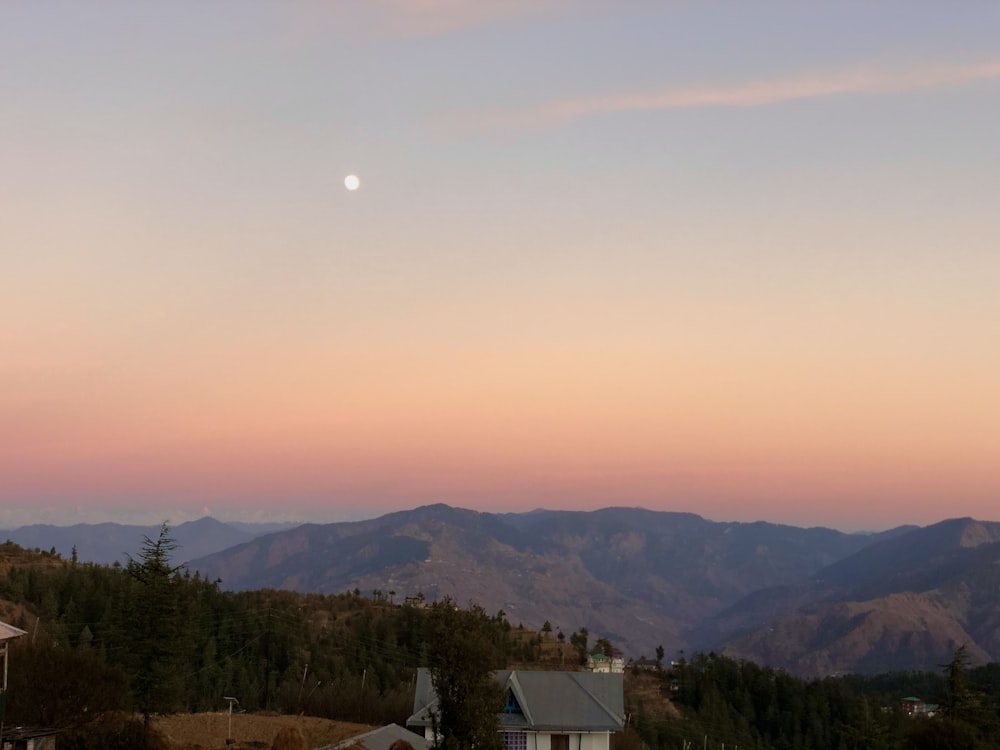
(151, 638)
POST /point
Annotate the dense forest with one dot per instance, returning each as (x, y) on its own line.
(147, 637)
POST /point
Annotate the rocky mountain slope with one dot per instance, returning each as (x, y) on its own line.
(902, 603)
(641, 578)
(813, 601)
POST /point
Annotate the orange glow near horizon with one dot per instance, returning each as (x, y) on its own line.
(754, 287)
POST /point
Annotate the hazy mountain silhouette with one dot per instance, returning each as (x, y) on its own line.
(639, 577)
(107, 543)
(813, 601)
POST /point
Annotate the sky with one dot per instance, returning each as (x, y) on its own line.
(738, 258)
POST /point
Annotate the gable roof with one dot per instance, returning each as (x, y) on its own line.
(381, 739)
(8, 632)
(549, 701)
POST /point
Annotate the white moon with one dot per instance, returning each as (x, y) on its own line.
(351, 182)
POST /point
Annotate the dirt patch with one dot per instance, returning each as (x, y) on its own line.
(647, 691)
(208, 731)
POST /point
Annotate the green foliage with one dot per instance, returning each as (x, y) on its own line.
(339, 656)
(113, 732)
(729, 702)
(348, 657)
(150, 617)
(579, 640)
(465, 649)
(45, 680)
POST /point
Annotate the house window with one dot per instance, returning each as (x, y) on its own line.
(515, 740)
(560, 742)
(512, 706)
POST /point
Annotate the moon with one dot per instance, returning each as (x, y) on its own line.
(351, 182)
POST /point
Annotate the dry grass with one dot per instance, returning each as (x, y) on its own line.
(207, 731)
(290, 738)
(647, 690)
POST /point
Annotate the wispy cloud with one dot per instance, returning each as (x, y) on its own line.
(859, 80)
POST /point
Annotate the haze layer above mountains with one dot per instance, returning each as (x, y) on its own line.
(814, 601)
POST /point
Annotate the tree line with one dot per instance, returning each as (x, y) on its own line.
(149, 637)
(726, 703)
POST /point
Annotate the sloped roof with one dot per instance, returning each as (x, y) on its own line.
(381, 739)
(9, 631)
(549, 701)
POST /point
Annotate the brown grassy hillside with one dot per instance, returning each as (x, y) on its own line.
(208, 731)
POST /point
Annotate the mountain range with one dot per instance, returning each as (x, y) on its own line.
(110, 543)
(814, 601)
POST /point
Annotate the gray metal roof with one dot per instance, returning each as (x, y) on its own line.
(549, 701)
(381, 739)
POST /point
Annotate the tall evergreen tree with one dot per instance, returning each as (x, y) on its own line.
(960, 701)
(152, 626)
(463, 655)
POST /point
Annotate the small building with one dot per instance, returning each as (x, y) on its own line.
(603, 663)
(643, 664)
(7, 634)
(544, 710)
(27, 738)
(914, 706)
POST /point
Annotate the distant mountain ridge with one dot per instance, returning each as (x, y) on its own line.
(812, 601)
(640, 577)
(107, 543)
(900, 604)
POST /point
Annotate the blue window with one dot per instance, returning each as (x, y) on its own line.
(512, 706)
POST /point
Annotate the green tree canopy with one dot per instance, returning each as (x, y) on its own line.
(152, 625)
(463, 654)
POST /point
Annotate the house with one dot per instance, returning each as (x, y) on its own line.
(7, 634)
(602, 663)
(383, 738)
(644, 664)
(27, 738)
(544, 710)
(917, 707)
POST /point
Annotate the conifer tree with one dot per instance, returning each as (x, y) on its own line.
(152, 626)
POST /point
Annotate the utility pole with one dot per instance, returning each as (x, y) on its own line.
(229, 735)
(267, 658)
(302, 687)
(361, 694)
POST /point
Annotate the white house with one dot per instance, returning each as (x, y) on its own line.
(544, 710)
(603, 663)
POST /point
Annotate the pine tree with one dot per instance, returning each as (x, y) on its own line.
(152, 626)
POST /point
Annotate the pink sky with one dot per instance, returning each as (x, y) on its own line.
(747, 270)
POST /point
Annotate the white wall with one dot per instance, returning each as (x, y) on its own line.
(577, 741)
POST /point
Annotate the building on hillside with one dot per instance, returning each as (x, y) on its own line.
(918, 707)
(7, 634)
(602, 663)
(25, 738)
(544, 710)
(643, 664)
